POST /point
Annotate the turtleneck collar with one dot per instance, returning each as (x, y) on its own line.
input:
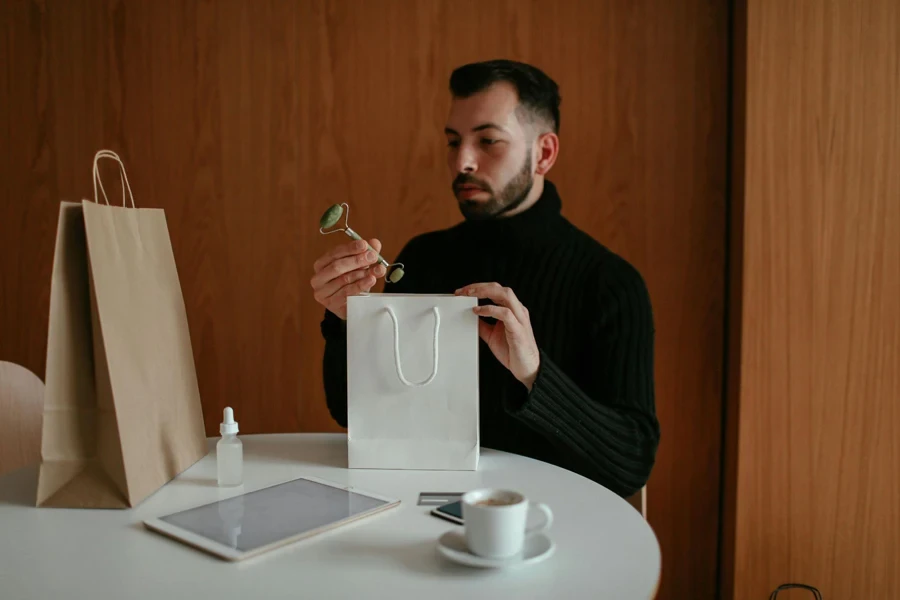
(544, 213)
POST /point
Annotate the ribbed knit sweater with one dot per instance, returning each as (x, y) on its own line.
(591, 408)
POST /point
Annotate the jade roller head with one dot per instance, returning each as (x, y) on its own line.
(331, 218)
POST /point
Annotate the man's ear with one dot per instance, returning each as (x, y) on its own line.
(546, 149)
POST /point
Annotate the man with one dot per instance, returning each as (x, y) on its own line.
(568, 377)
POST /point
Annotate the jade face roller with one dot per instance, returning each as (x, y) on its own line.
(333, 215)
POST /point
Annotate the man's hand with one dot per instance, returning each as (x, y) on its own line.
(345, 271)
(510, 339)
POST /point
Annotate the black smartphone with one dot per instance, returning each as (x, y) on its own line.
(451, 511)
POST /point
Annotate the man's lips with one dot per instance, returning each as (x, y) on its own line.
(468, 190)
(468, 193)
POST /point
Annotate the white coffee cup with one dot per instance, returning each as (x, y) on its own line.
(495, 522)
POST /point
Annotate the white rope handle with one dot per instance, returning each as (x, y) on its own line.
(437, 325)
(110, 154)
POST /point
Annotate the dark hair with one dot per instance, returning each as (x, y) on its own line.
(537, 93)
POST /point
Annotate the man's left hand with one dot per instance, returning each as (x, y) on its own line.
(511, 338)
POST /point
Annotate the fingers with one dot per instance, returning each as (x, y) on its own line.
(485, 331)
(503, 296)
(359, 280)
(362, 286)
(501, 313)
(341, 267)
(330, 288)
(348, 249)
(343, 250)
(343, 264)
(346, 270)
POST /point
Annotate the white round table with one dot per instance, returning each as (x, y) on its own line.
(604, 548)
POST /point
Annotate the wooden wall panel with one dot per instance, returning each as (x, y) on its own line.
(817, 498)
(244, 120)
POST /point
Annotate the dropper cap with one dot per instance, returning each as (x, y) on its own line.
(228, 425)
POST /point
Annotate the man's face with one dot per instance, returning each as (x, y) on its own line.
(489, 153)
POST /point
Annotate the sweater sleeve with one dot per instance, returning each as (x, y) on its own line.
(604, 423)
(334, 366)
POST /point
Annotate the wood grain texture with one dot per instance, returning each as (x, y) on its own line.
(818, 498)
(21, 404)
(245, 120)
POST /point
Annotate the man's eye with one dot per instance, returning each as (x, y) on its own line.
(489, 141)
(453, 143)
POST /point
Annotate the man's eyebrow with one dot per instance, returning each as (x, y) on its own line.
(484, 126)
(481, 127)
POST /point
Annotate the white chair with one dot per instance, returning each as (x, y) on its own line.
(21, 413)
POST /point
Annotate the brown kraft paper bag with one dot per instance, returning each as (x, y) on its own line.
(122, 413)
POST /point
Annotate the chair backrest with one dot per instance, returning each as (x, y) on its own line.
(21, 411)
(639, 501)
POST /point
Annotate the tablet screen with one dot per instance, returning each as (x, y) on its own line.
(259, 518)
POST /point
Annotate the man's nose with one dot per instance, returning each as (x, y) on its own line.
(465, 161)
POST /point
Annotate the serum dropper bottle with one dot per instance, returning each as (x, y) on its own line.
(229, 452)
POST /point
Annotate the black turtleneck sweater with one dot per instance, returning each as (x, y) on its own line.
(591, 408)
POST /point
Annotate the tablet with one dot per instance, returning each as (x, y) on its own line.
(274, 516)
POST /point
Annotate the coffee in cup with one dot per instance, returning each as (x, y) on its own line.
(493, 502)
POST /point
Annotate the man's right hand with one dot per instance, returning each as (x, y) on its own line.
(345, 271)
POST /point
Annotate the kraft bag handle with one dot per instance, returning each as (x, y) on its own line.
(786, 586)
(110, 154)
(437, 326)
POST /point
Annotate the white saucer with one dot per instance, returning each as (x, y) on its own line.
(538, 547)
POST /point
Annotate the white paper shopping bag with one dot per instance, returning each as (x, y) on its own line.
(412, 382)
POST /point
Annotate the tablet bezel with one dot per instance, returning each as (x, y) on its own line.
(215, 548)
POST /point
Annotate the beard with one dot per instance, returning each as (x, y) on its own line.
(499, 202)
